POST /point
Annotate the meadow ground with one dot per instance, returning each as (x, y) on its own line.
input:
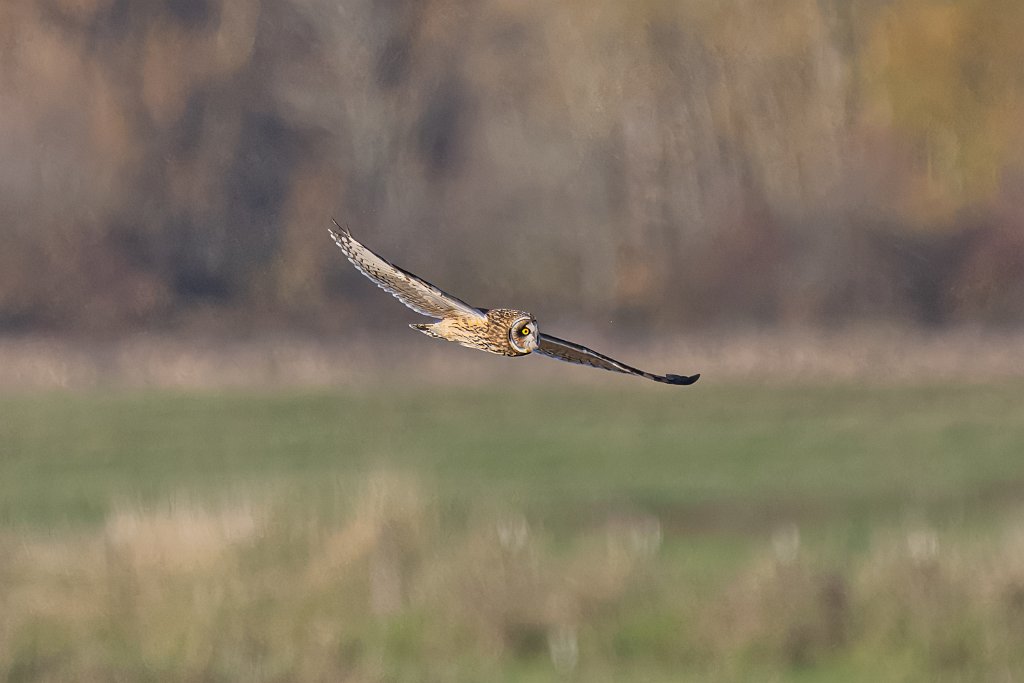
(826, 531)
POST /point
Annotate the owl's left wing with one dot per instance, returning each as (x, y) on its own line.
(413, 291)
(560, 349)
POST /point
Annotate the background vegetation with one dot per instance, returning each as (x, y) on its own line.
(693, 162)
(213, 468)
(737, 533)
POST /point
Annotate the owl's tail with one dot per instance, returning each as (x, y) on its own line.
(427, 329)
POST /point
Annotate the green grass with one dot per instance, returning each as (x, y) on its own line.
(116, 563)
(730, 454)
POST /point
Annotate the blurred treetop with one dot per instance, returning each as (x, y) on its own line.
(684, 162)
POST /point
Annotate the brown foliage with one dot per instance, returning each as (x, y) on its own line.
(685, 162)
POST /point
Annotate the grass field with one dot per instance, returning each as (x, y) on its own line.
(753, 532)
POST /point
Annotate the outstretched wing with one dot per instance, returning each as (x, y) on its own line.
(414, 292)
(560, 349)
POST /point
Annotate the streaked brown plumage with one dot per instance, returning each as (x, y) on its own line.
(491, 334)
(502, 331)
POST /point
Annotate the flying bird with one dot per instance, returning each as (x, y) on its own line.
(504, 331)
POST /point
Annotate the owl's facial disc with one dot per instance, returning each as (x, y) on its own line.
(523, 335)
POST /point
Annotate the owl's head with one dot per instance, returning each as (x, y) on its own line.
(523, 334)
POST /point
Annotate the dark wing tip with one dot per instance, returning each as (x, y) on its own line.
(682, 379)
(341, 230)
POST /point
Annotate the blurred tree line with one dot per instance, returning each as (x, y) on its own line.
(678, 162)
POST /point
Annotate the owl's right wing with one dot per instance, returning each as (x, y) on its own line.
(414, 292)
(560, 349)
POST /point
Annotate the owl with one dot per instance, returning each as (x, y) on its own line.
(503, 331)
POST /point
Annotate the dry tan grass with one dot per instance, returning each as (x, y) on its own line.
(181, 537)
(384, 584)
(186, 589)
(873, 355)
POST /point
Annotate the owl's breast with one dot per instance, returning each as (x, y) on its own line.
(485, 335)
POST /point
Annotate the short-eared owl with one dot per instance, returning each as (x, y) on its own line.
(503, 331)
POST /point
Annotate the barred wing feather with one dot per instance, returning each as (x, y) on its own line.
(567, 351)
(413, 291)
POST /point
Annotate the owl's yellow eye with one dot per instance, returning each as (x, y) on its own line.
(526, 331)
